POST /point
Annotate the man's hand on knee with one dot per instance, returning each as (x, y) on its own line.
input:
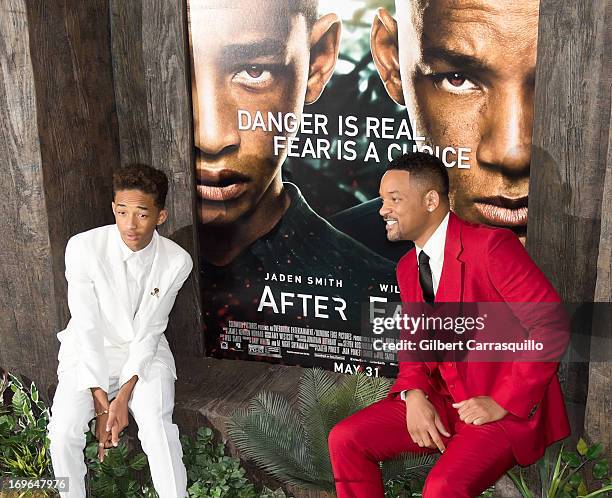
(423, 422)
(480, 410)
(102, 435)
(118, 411)
(101, 410)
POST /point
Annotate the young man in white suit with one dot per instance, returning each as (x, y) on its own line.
(122, 283)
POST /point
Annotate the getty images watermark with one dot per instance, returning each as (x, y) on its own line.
(469, 331)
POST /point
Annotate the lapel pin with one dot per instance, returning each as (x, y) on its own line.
(155, 292)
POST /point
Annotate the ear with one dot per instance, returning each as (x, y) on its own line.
(162, 216)
(385, 52)
(324, 47)
(113, 206)
(432, 200)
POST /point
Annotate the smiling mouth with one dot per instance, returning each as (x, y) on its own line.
(390, 223)
(503, 211)
(221, 185)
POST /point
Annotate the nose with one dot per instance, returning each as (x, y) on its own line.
(132, 221)
(214, 116)
(505, 141)
(384, 210)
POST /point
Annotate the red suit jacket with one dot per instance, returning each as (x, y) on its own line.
(486, 264)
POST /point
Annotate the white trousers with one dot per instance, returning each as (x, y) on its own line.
(151, 405)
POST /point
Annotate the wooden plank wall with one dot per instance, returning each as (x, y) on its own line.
(71, 57)
(569, 161)
(597, 417)
(59, 122)
(153, 95)
(26, 273)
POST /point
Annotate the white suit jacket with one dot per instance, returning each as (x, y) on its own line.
(100, 323)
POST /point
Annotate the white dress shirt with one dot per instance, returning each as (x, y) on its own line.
(434, 248)
(138, 266)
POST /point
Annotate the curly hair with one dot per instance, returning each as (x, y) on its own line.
(144, 178)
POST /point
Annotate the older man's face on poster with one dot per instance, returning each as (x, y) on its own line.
(465, 69)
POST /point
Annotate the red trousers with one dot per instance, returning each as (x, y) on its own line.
(475, 457)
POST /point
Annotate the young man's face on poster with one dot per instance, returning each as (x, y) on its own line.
(465, 70)
(250, 56)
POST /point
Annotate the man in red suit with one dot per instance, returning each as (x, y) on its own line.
(484, 418)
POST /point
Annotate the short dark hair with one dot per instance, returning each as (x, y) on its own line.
(144, 178)
(425, 168)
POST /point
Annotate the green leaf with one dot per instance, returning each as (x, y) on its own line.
(139, 462)
(268, 493)
(205, 434)
(582, 447)
(582, 489)
(572, 459)
(520, 484)
(271, 433)
(600, 469)
(33, 393)
(19, 402)
(599, 492)
(576, 480)
(557, 475)
(106, 466)
(15, 382)
(7, 423)
(594, 451)
(91, 451)
(120, 470)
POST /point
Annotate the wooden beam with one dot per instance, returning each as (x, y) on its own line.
(569, 160)
(129, 82)
(27, 301)
(597, 419)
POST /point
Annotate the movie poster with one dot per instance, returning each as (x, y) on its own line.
(298, 106)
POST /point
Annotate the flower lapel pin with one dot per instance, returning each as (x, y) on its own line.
(155, 292)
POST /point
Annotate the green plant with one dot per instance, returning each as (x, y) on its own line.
(268, 493)
(24, 447)
(291, 444)
(210, 473)
(120, 474)
(563, 475)
(24, 452)
(405, 477)
(213, 474)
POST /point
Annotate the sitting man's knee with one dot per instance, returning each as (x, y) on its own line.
(341, 437)
(437, 484)
(67, 425)
(62, 434)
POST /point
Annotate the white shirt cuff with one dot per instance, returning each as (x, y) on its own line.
(403, 395)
